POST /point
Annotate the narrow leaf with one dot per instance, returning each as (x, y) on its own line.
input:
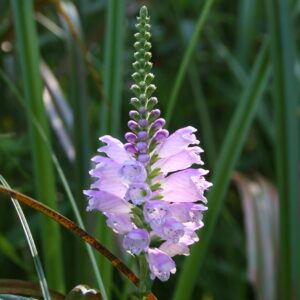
(230, 151)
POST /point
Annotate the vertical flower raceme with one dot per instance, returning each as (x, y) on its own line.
(151, 188)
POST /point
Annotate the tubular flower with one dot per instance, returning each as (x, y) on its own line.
(148, 187)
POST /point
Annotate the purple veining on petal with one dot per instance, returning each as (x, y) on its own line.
(136, 241)
(133, 171)
(161, 265)
(138, 193)
(172, 230)
(155, 212)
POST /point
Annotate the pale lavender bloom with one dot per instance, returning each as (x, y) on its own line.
(119, 223)
(133, 171)
(185, 186)
(173, 249)
(136, 241)
(161, 265)
(155, 212)
(138, 193)
(151, 188)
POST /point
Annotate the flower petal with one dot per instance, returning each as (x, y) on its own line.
(160, 264)
(106, 202)
(172, 249)
(119, 223)
(109, 179)
(185, 186)
(180, 139)
(180, 161)
(114, 149)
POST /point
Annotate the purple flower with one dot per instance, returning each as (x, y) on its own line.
(138, 193)
(160, 264)
(151, 188)
(136, 241)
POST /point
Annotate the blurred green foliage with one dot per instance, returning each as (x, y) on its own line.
(217, 77)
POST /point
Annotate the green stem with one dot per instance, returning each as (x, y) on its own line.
(145, 281)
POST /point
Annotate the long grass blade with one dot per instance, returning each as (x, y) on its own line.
(111, 118)
(63, 179)
(44, 177)
(31, 244)
(204, 117)
(78, 96)
(113, 57)
(285, 94)
(187, 58)
(221, 176)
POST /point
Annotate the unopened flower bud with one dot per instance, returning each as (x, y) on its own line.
(141, 146)
(136, 76)
(130, 148)
(142, 135)
(135, 102)
(150, 90)
(159, 123)
(132, 125)
(154, 114)
(143, 98)
(149, 77)
(130, 137)
(151, 102)
(136, 89)
(133, 114)
(142, 109)
(143, 123)
(161, 135)
(143, 158)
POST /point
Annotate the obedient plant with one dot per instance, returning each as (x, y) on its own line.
(147, 188)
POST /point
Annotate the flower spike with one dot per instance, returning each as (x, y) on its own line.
(148, 187)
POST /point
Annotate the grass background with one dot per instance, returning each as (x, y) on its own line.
(228, 68)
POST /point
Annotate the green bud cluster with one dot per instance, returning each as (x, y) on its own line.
(143, 78)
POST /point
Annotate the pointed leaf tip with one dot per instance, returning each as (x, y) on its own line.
(144, 11)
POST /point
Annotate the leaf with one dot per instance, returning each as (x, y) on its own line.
(260, 205)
